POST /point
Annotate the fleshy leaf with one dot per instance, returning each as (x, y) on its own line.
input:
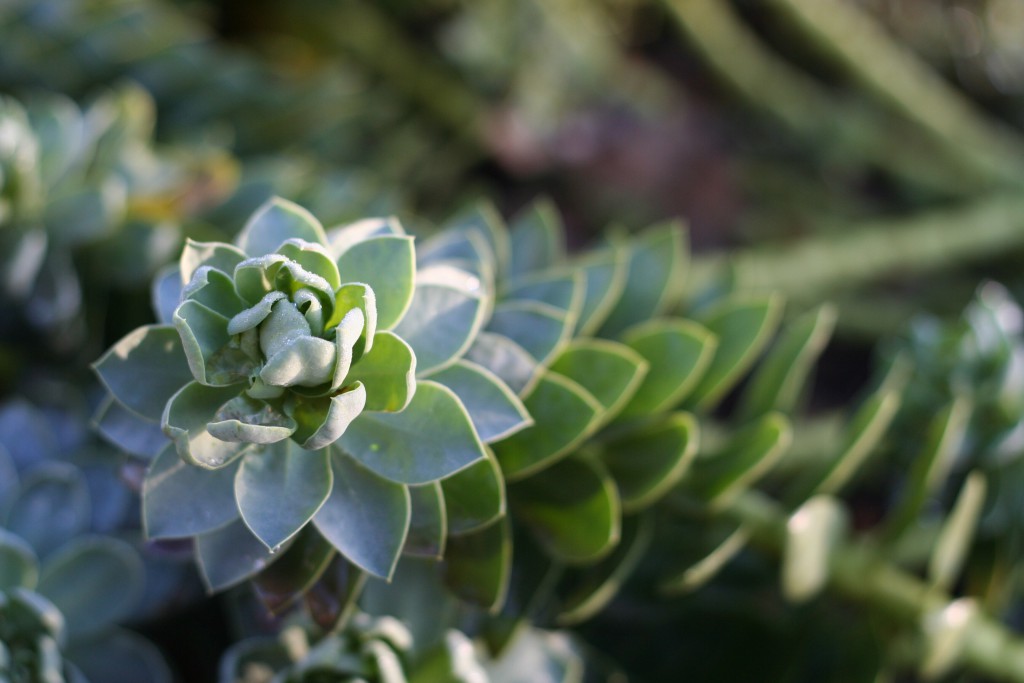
(431, 439)
(94, 582)
(605, 272)
(287, 579)
(954, 543)
(255, 314)
(361, 296)
(305, 361)
(185, 420)
(153, 352)
(572, 508)
(496, 412)
(812, 534)
(743, 328)
(215, 290)
(506, 359)
(165, 294)
(477, 566)
(181, 500)
(610, 371)
(248, 420)
(279, 488)
(129, 432)
(229, 555)
(204, 332)
(321, 421)
(18, 564)
(748, 456)
(256, 276)
(315, 258)
(647, 463)
(388, 372)
(564, 414)
(563, 290)
(474, 497)
(122, 656)
(678, 353)
(440, 325)
(51, 508)
(366, 517)
(276, 221)
(539, 328)
(594, 587)
(223, 257)
(429, 525)
(536, 239)
(779, 380)
(483, 222)
(388, 265)
(344, 237)
(654, 281)
(346, 336)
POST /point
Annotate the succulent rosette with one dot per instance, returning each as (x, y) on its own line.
(285, 374)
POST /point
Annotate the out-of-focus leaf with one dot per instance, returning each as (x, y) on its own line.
(777, 384)
(812, 534)
(18, 564)
(538, 328)
(954, 541)
(537, 239)
(477, 565)
(648, 462)
(611, 372)
(474, 497)
(564, 414)
(743, 328)
(120, 655)
(51, 508)
(432, 438)
(677, 352)
(605, 274)
(152, 351)
(654, 281)
(366, 517)
(429, 525)
(94, 582)
(593, 588)
(572, 508)
(129, 432)
(288, 578)
(229, 555)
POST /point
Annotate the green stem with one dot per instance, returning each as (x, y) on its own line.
(861, 573)
(863, 253)
(909, 85)
(848, 130)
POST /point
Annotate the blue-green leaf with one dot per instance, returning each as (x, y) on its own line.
(321, 421)
(388, 372)
(506, 359)
(654, 283)
(204, 332)
(440, 324)
(431, 439)
(564, 414)
(572, 508)
(315, 258)
(248, 420)
(185, 419)
(474, 497)
(648, 462)
(388, 265)
(537, 239)
(495, 410)
(18, 564)
(477, 566)
(276, 221)
(539, 328)
(611, 372)
(94, 582)
(153, 352)
(229, 555)
(678, 353)
(215, 290)
(51, 508)
(366, 517)
(195, 255)
(181, 500)
(562, 289)
(428, 527)
(279, 488)
(165, 294)
(344, 237)
(120, 655)
(127, 431)
(605, 272)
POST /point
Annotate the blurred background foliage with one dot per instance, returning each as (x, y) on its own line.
(866, 152)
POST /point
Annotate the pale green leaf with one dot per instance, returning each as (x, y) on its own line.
(536, 238)
(248, 420)
(388, 372)
(496, 412)
(431, 439)
(366, 517)
(204, 333)
(506, 359)
(321, 421)
(539, 328)
(180, 500)
(195, 255)
(185, 419)
(812, 534)
(440, 325)
(610, 371)
(388, 266)
(153, 352)
(276, 221)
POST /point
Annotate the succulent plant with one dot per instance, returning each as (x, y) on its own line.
(64, 587)
(285, 372)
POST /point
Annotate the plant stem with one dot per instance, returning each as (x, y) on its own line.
(861, 573)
